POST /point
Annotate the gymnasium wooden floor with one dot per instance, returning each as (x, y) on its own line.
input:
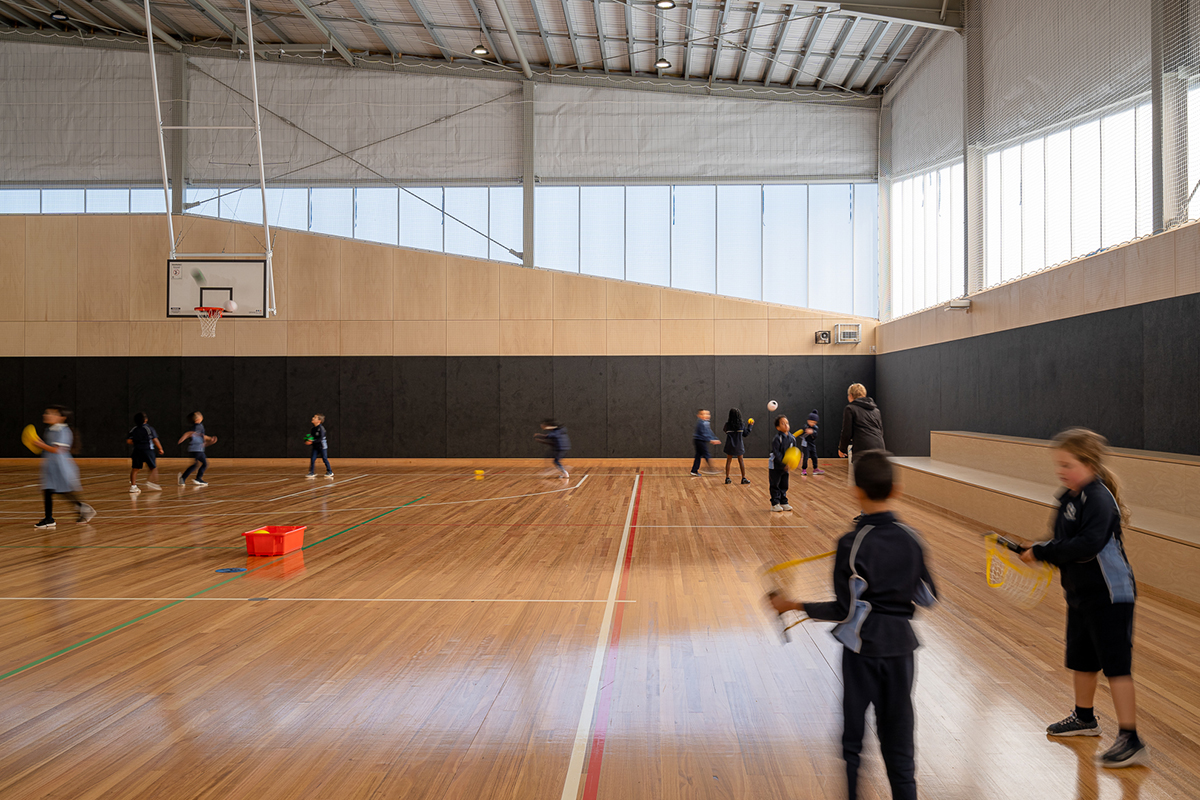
(443, 637)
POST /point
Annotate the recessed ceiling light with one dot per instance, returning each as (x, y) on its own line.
(665, 5)
(58, 16)
(662, 63)
(480, 50)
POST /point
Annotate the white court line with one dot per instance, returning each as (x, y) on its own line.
(81, 480)
(575, 768)
(314, 488)
(331, 599)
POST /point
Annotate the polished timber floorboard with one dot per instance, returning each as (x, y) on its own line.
(440, 637)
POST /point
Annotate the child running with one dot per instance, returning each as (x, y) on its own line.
(702, 437)
(554, 436)
(196, 449)
(145, 441)
(735, 446)
(808, 444)
(1098, 583)
(879, 576)
(777, 471)
(60, 475)
(320, 446)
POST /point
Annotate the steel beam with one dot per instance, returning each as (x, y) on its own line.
(502, 7)
(487, 34)
(92, 15)
(374, 23)
(140, 19)
(50, 8)
(716, 62)
(868, 49)
(600, 33)
(28, 18)
(336, 43)
(935, 14)
(749, 46)
(902, 37)
(813, 32)
(541, 29)
(838, 46)
(691, 31)
(777, 51)
(571, 33)
(438, 41)
(38, 17)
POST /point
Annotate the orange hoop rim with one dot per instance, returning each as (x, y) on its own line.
(209, 310)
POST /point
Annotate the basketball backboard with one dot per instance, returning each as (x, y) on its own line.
(211, 282)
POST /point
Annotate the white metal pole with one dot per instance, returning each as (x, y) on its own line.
(262, 178)
(162, 148)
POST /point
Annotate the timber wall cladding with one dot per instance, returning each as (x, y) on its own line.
(94, 285)
(428, 406)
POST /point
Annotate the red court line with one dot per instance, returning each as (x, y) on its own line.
(600, 731)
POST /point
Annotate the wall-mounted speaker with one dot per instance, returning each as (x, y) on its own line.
(823, 337)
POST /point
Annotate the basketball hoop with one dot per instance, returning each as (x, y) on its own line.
(209, 317)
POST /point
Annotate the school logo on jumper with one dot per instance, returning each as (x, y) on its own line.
(1070, 512)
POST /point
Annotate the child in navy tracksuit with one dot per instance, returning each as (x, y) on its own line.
(777, 471)
(145, 441)
(320, 446)
(198, 441)
(1098, 582)
(702, 437)
(879, 576)
(554, 436)
(808, 444)
(735, 445)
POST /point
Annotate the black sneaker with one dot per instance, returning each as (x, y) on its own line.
(1074, 726)
(728, 481)
(1127, 751)
(745, 482)
(46, 525)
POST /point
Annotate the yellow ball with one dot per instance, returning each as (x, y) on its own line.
(791, 457)
(752, 420)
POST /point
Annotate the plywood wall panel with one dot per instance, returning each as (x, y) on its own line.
(1149, 269)
(1104, 282)
(729, 308)
(12, 268)
(677, 304)
(473, 337)
(534, 337)
(1187, 258)
(579, 297)
(314, 279)
(12, 338)
(472, 290)
(149, 249)
(223, 344)
(366, 338)
(366, 282)
(793, 337)
(163, 338)
(313, 338)
(102, 339)
(633, 337)
(104, 267)
(628, 301)
(51, 338)
(526, 294)
(581, 337)
(419, 285)
(51, 268)
(734, 337)
(682, 337)
(259, 337)
(419, 338)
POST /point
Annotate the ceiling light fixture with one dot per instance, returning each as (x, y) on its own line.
(665, 5)
(58, 16)
(662, 63)
(480, 50)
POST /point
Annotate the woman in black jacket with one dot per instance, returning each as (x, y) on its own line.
(862, 427)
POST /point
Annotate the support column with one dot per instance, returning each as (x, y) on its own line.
(528, 177)
(973, 131)
(1170, 66)
(179, 118)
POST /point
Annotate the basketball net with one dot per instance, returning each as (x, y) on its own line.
(209, 317)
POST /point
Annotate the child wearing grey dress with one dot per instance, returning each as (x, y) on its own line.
(60, 475)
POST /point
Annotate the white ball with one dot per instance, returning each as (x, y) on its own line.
(771, 406)
(230, 306)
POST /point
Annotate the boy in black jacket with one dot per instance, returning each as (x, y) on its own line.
(777, 471)
(879, 576)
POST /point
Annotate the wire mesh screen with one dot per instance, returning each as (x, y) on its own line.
(69, 117)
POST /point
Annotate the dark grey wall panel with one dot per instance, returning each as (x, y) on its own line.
(314, 387)
(154, 385)
(743, 382)
(1171, 371)
(473, 407)
(635, 407)
(103, 402)
(526, 398)
(581, 403)
(13, 415)
(687, 385)
(260, 423)
(419, 407)
(366, 389)
(839, 373)
(797, 384)
(47, 381)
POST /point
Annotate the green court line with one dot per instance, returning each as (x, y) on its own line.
(102, 634)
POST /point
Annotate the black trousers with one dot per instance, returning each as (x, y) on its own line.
(701, 453)
(779, 486)
(809, 453)
(885, 683)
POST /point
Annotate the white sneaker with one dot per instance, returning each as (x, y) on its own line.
(154, 487)
(199, 483)
(328, 474)
(787, 507)
(777, 507)
(133, 488)
(310, 476)
(180, 479)
(86, 513)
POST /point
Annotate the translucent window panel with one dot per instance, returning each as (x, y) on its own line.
(785, 244)
(556, 227)
(906, 228)
(1058, 198)
(1118, 178)
(694, 238)
(916, 284)
(147, 201)
(1193, 150)
(992, 220)
(945, 265)
(107, 201)
(831, 248)
(506, 215)
(332, 211)
(62, 201)
(20, 201)
(896, 260)
(648, 234)
(288, 208)
(377, 214)
(739, 241)
(1085, 188)
(243, 205)
(1144, 159)
(866, 249)
(1010, 213)
(1033, 205)
(470, 205)
(205, 199)
(929, 209)
(602, 231)
(958, 228)
(421, 218)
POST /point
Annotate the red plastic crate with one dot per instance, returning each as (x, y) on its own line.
(274, 540)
